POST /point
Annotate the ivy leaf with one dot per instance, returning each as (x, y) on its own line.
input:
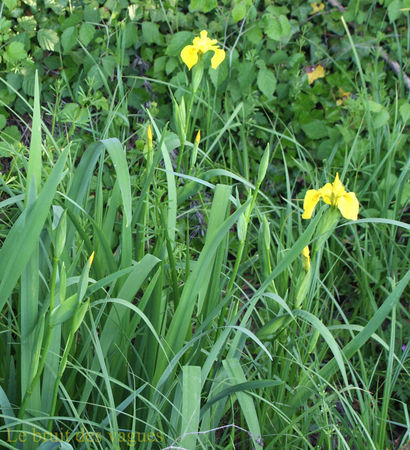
(48, 39)
(266, 82)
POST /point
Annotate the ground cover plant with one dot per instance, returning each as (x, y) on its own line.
(204, 224)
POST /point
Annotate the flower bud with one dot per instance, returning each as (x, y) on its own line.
(263, 166)
(149, 137)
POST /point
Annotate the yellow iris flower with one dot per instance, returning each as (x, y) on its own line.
(332, 194)
(201, 45)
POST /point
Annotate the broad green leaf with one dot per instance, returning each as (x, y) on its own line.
(273, 28)
(178, 42)
(15, 52)
(203, 5)
(86, 33)
(405, 112)
(69, 38)
(394, 10)
(11, 4)
(374, 106)
(266, 82)
(285, 26)
(316, 129)
(56, 5)
(28, 23)
(150, 33)
(239, 10)
(47, 39)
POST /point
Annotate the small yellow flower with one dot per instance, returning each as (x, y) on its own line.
(315, 72)
(198, 137)
(333, 194)
(306, 258)
(201, 45)
(342, 97)
(317, 7)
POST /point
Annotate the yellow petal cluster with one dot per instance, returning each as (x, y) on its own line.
(314, 73)
(333, 194)
(342, 97)
(201, 45)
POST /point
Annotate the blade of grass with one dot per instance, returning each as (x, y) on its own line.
(191, 404)
(236, 376)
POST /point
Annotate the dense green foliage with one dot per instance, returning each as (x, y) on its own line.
(153, 293)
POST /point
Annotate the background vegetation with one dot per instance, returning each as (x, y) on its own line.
(153, 294)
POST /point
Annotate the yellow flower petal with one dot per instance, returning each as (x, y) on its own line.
(317, 7)
(311, 199)
(343, 94)
(349, 206)
(203, 43)
(219, 56)
(189, 55)
(338, 188)
(317, 72)
(326, 192)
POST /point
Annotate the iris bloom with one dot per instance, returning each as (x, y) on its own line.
(333, 194)
(201, 45)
